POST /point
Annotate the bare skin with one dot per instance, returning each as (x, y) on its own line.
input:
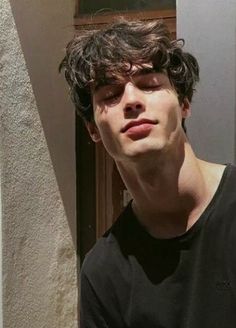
(169, 201)
(170, 186)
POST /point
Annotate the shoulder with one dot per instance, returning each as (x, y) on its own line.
(213, 172)
(217, 170)
(218, 176)
(108, 257)
(100, 255)
(105, 276)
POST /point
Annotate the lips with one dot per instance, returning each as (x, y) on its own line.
(132, 124)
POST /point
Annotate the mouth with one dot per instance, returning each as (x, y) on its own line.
(136, 123)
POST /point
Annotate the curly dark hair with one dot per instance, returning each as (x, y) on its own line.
(112, 51)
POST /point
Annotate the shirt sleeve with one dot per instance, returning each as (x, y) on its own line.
(91, 312)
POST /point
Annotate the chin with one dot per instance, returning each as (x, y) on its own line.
(145, 149)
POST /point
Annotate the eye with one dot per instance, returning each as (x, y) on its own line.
(111, 94)
(150, 87)
(148, 83)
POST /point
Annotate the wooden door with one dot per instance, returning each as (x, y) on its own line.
(101, 193)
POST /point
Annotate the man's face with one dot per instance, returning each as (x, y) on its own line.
(137, 115)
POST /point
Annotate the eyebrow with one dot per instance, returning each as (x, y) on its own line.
(112, 81)
(105, 82)
(144, 71)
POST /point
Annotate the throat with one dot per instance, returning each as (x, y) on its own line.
(169, 223)
(169, 197)
(172, 210)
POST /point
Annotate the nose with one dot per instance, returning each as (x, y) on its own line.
(133, 99)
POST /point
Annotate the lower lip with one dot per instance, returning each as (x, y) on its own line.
(139, 131)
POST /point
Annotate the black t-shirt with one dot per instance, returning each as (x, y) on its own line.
(130, 279)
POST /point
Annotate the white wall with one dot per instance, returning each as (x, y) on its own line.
(1, 314)
(37, 163)
(44, 28)
(209, 29)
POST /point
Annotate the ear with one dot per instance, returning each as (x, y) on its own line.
(93, 131)
(185, 108)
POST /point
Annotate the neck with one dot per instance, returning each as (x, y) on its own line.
(168, 193)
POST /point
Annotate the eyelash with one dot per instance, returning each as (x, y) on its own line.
(113, 95)
(145, 87)
(148, 87)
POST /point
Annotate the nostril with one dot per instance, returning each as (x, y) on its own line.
(128, 108)
(138, 106)
(134, 107)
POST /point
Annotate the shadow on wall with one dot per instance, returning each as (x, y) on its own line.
(44, 29)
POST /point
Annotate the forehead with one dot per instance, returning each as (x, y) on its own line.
(127, 73)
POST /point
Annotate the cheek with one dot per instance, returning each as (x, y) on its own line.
(169, 113)
(107, 120)
(108, 132)
(109, 137)
(104, 129)
(174, 119)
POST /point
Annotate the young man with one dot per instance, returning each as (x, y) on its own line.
(169, 259)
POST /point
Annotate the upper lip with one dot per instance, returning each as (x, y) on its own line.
(137, 122)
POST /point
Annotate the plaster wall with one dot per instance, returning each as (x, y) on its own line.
(44, 28)
(209, 29)
(37, 167)
(1, 316)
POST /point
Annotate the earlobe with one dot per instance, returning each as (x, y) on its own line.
(93, 131)
(186, 108)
